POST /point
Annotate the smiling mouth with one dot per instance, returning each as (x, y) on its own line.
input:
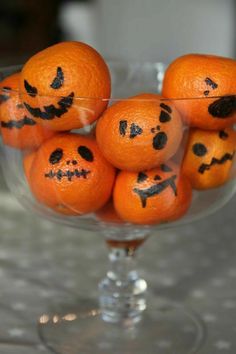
(206, 167)
(156, 189)
(67, 174)
(50, 112)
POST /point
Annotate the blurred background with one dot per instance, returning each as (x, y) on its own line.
(154, 30)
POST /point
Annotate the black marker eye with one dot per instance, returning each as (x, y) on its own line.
(135, 130)
(56, 156)
(166, 107)
(223, 135)
(85, 153)
(58, 80)
(159, 141)
(32, 91)
(122, 127)
(141, 177)
(211, 83)
(164, 117)
(199, 149)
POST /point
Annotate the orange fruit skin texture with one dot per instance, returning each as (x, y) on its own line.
(142, 112)
(162, 207)
(188, 77)
(27, 163)
(12, 111)
(84, 74)
(214, 145)
(109, 214)
(90, 181)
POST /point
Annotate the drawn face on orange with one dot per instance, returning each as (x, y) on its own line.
(139, 133)
(70, 175)
(62, 86)
(207, 81)
(19, 130)
(209, 157)
(154, 196)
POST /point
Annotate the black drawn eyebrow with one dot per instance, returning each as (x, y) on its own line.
(58, 80)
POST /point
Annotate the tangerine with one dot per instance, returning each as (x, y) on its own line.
(159, 195)
(209, 157)
(70, 175)
(27, 163)
(139, 133)
(205, 89)
(63, 85)
(18, 129)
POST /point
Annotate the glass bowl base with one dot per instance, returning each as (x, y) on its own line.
(165, 328)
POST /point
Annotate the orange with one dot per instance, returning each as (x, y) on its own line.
(27, 163)
(204, 77)
(150, 197)
(139, 133)
(55, 81)
(209, 157)
(109, 214)
(69, 174)
(19, 130)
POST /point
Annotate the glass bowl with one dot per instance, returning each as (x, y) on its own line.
(122, 322)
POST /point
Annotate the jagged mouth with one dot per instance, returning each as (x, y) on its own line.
(59, 175)
(18, 124)
(50, 112)
(206, 167)
(156, 189)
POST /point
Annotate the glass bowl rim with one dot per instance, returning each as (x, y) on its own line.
(160, 98)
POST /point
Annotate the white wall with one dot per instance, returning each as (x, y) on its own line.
(160, 30)
(164, 29)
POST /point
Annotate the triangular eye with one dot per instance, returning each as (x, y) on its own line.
(141, 177)
(223, 135)
(199, 149)
(135, 130)
(85, 153)
(56, 156)
(164, 117)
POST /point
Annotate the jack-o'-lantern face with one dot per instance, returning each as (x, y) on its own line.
(161, 182)
(140, 133)
(205, 88)
(19, 130)
(159, 135)
(63, 86)
(158, 195)
(69, 174)
(58, 106)
(209, 157)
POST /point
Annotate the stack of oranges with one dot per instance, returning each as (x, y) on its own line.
(141, 156)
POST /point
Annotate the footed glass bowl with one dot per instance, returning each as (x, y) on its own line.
(85, 180)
